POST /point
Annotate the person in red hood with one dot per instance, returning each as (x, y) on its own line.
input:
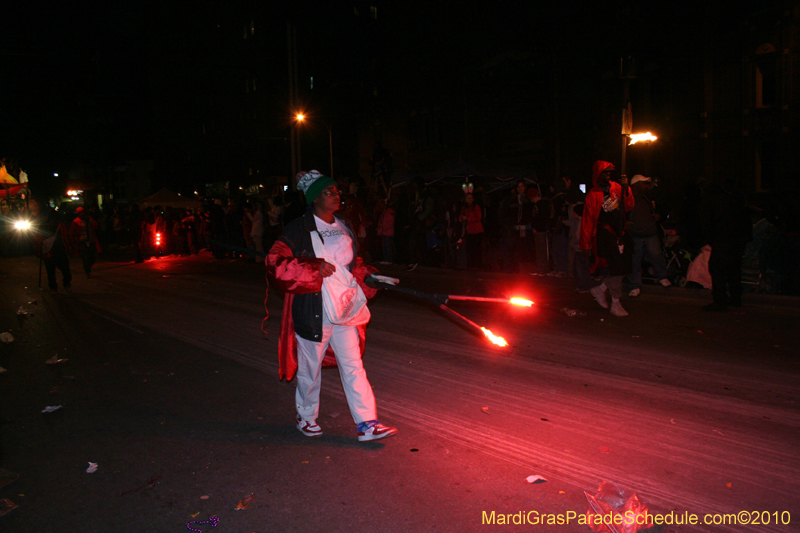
(603, 234)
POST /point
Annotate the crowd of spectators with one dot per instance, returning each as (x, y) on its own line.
(522, 227)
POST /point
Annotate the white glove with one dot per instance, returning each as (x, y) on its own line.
(385, 279)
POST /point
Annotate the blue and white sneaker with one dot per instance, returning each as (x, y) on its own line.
(309, 429)
(374, 430)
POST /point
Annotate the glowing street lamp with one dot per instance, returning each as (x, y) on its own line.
(294, 133)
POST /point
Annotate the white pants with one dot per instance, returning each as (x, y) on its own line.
(344, 340)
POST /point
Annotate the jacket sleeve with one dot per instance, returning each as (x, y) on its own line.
(74, 235)
(630, 201)
(294, 275)
(591, 210)
(360, 272)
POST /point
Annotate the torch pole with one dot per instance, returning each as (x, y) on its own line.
(435, 299)
(476, 298)
(440, 301)
(462, 319)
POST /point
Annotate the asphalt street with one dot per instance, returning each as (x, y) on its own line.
(170, 386)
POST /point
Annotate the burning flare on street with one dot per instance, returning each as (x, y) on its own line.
(500, 341)
(521, 301)
(637, 137)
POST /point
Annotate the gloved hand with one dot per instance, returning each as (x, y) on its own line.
(384, 279)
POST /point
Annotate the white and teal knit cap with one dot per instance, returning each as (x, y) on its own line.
(312, 183)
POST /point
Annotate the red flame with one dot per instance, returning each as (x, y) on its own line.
(520, 301)
(500, 341)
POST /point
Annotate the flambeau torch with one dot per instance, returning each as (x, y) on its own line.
(440, 300)
(641, 137)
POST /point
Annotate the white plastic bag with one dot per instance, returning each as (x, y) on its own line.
(343, 300)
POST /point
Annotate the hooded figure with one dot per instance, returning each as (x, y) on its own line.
(603, 233)
(603, 222)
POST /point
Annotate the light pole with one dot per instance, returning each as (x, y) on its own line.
(297, 161)
(300, 118)
(627, 71)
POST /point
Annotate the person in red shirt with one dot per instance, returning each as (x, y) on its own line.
(472, 216)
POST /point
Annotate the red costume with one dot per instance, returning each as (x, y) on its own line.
(599, 201)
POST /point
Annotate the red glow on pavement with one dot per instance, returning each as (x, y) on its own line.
(520, 301)
(500, 341)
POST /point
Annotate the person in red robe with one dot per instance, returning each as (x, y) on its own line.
(604, 235)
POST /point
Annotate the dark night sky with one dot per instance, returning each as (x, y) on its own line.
(125, 79)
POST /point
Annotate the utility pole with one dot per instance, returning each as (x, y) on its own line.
(627, 71)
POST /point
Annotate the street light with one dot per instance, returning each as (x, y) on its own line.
(297, 163)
